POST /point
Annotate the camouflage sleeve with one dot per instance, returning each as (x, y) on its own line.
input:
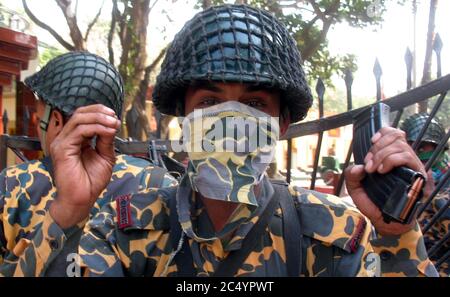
(97, 249)
(31, 256)
(403, 255)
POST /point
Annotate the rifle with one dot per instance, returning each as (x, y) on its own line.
(397, 193)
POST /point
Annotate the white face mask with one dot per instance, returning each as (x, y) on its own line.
(230, 146)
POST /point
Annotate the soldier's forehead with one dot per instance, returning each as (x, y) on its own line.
(221, 86)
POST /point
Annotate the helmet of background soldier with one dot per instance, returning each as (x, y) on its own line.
(233, 43)
(414, 123)
(78, 79)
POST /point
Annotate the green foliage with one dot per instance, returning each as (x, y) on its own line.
(47, 54)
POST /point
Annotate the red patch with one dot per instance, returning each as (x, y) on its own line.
(356, 239)
(123, 211)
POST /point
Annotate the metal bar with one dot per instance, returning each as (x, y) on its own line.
(437, 47)
(23, 143)
(438, 245)
(397, 118)
(434, 193)
(316, 161)
(378, 72)
(19, 154)
(436, 216)
(439, 71)
(320, 89)
(348, 86)
(409, 60)
(5, 120)
(437, 151)
(342, 177)
(289, 161)
(396, 103)
(433, 112)
(442, 259)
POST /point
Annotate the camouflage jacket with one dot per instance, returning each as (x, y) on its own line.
(27, 190)
(337, 239)
(438, 230)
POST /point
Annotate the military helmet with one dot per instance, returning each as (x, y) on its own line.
(414, 123)
(78, 79)
(233, 43)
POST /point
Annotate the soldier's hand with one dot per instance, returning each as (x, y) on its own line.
(82, 172)
(389, 150)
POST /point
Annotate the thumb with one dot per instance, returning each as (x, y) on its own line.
(354, 175)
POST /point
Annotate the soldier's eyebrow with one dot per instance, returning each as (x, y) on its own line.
(207, 86)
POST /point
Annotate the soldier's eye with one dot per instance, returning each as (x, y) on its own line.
(255, 104)
(208, 102)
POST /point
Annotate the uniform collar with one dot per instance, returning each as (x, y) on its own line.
(196, 224)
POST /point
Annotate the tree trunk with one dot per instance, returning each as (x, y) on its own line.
(71, 19)
(133, 24)
(426, 77)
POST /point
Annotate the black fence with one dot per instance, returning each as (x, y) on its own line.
(438, 87)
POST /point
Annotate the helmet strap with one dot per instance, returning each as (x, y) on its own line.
(43, 125)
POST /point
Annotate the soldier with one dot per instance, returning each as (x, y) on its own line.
(433, 135)
(226, 218)
(71, 85)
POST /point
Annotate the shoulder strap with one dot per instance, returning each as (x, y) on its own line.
(157, 177)
(183, 259)
(233, 262)
(229, 267)
(291, 229)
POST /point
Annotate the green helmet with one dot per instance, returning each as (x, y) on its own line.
(414, 123)
(78, 79)
(234, 43)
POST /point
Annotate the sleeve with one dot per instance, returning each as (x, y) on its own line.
(358, 249)
(32, 256)
(98, 252)
(403, 255)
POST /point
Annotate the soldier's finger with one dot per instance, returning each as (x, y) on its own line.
(83, 132)
(353, 176)
(95, 108)
(390, 136)
(383, 131)
(400, 159)
(379, 156)
(90, 118)
(105, 146)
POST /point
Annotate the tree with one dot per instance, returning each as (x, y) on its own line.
(426, 77)
(69, 9)
(129, 22)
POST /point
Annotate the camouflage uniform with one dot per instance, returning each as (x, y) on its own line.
(438, 230)
(26, 192)
(338, 239)
(434, 134)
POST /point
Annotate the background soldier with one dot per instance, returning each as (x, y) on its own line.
(69, 85)
(433, 135)
(226, 218)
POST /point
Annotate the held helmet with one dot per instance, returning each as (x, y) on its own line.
(414, 123)
(233, 43)
(78, 79)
